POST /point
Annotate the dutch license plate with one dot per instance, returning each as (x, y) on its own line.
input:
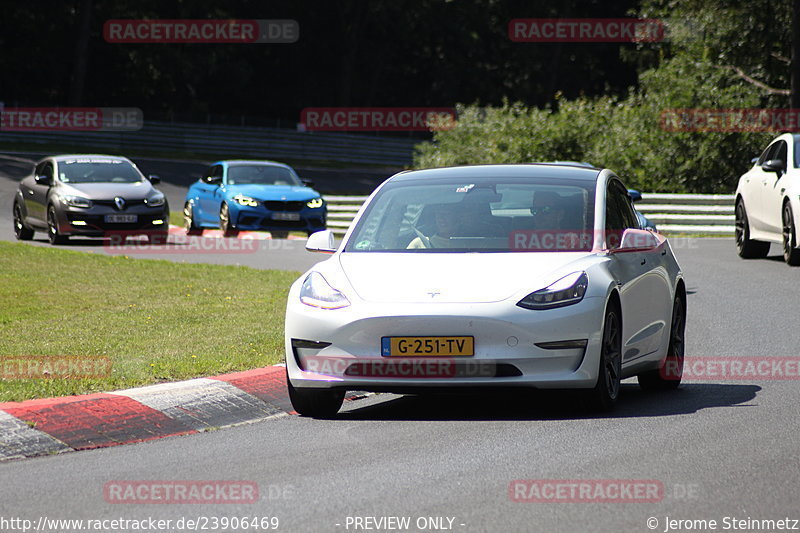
(427, 346)
(121, 218)
(285, 216)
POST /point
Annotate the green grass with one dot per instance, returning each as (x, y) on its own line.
(176, 218)
(156, 320)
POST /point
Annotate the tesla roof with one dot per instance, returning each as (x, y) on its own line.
(532, 170)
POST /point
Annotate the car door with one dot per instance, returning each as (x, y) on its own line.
(755, 183)
(209, 195)
(36, 194)
(642, 287)
(773, 186)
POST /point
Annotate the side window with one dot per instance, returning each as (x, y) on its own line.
(768, 154)
(764, 156)
(214, 172)
(781, 152)
(44, 169)
(619, 213)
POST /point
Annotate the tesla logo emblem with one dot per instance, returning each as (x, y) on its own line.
(119, 202)
(434, 294)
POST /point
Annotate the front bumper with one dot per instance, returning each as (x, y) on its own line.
(91, 222)
(513, 346)
(260, 218)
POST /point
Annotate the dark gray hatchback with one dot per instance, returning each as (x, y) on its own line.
(92, 196)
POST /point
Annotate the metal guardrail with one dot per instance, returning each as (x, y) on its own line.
(709, 214)
(232, 141)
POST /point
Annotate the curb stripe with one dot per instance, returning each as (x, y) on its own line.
(18, 439)
(98, 421)
(202, 404)
(267, 384)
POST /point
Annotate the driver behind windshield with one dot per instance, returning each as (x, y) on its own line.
(448, 218)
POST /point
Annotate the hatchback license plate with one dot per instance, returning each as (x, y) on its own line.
(285, 216)
(427, 346)
(121, 218)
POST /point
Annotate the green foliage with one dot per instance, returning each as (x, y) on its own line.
(697, 68)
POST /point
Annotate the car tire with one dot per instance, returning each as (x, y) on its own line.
(188, 221)
(668, 375)
(790, 253)
(228, 229)
(745, 246)
(279, 234)
(609, 376)
(21, 231)
(315, 403)
(52, 228)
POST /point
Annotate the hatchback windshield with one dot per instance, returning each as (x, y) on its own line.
(478, 216)
(97, 171)
(261, 175)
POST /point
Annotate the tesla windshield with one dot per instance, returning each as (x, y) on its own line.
(261, 175)
(473, 215)
(97, 171)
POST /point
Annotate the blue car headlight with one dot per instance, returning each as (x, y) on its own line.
(241, 199)
(566, 291)
(315, 202)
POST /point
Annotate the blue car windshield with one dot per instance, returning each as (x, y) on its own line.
(97, 171)
(261, 175)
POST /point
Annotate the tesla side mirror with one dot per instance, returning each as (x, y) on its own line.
(213, 180)
(753, 161)
(637, 240)
(43, 180)
(321, 241)
(307, 183)
(635, 195)
(155, 180)
(773, 165)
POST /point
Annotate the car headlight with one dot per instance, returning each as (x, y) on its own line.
(316, 292)
(566, 291)
(76, 201)
(241, 199)
(315, 202)
(155, 200)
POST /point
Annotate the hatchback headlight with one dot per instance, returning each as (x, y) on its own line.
(317, 292)
(155, 200)
(76, 201)
(315, 202)
(241, 199)
(566, 291)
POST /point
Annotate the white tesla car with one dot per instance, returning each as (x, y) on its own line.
(484, 276)
(768, 202)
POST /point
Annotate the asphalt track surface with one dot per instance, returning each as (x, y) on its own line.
(720, 448)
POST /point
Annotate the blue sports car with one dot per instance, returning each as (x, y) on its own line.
(253, 195)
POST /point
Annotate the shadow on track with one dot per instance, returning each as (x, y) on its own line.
(555, 405)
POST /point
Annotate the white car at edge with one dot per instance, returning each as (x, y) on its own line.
(487, 276)
(768, 202)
